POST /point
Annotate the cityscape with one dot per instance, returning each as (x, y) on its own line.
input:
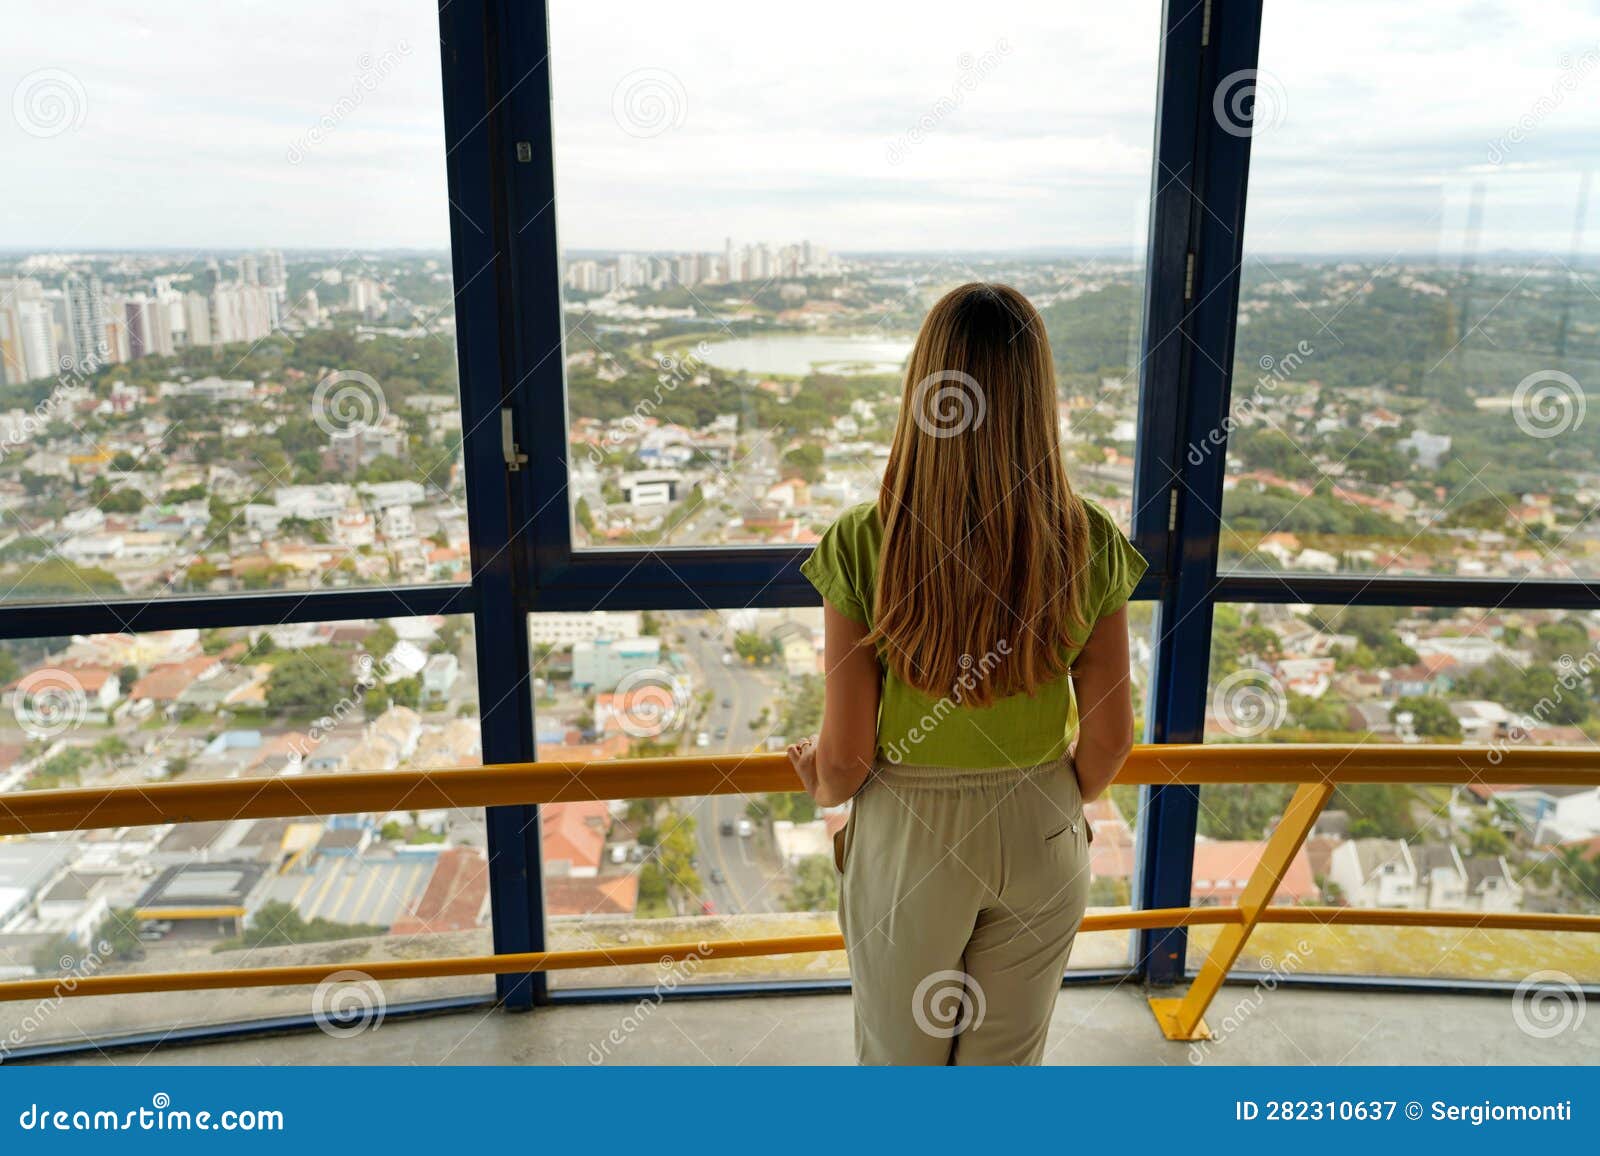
(175, 424)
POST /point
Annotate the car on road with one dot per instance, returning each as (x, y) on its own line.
(746, 828)
(722, 732)
(727, 704)
(726, 826)
(727, 658)
(707, 907)
(717, 876)
(702, 739)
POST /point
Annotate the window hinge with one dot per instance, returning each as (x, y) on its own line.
(1188, 277)
(1205, 25)
(508, 441)
(1172, 509)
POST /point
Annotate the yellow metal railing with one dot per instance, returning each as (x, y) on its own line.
(1317, 770)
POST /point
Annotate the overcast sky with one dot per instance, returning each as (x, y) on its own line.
(999, 125)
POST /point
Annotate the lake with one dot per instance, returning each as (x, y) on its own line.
(797, 354)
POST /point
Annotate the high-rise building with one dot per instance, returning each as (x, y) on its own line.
(88, 320)
(242, 312)
(149, 326)
(584, 276)
(39, 349)
(365, 296)
(273, 273)
(27, 333)
(197, 318)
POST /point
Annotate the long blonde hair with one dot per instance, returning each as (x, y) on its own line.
(979, 576)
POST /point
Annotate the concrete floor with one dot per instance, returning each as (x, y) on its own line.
(1093, 1025)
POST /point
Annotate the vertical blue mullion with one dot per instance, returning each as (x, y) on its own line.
(1160, 376)
(535, 386)
(1161, 832)
(1167, 248)
(1217, 179)
(535, 254)
(472, 88)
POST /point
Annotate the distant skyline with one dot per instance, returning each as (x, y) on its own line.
(1003, 128)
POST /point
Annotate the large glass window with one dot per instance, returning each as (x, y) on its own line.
(1416, 349)
(627, 684)
(227, 355)
(249, 703)
(755, 212)
(1495, 679)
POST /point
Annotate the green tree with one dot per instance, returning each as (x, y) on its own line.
(1377, 810)
(669, 882)
(1431, 717)
(278, 924)
(115, 940)
(815, 886)
(307, 683)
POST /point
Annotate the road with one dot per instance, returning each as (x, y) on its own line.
(750, 869)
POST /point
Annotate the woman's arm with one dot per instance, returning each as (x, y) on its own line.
(838, 762)
(1105, 704)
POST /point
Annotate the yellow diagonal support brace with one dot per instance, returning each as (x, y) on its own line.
(1184, 1019)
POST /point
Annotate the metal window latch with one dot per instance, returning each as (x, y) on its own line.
(508, 441)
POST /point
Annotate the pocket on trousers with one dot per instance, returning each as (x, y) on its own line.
(841, 840)
(1067, 797)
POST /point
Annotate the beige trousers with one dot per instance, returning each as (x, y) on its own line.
(963, 891)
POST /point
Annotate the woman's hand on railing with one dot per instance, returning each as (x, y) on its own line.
(830, 784)
(803, 757)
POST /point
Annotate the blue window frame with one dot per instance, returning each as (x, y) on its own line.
(510, 343)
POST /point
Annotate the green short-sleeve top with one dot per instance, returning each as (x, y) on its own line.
(915, 728)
